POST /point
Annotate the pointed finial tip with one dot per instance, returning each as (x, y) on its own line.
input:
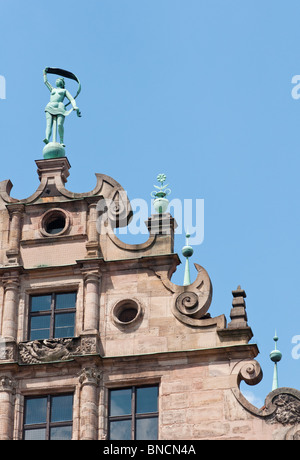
(187, 250)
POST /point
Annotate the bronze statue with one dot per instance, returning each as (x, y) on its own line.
(56, 109)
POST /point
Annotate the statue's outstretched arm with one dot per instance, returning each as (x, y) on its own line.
(46, 80)
(72, 100)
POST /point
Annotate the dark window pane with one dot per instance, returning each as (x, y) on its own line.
(40, 303)
(61, 408)
(56, 225)
(64, 325)
(40, 327)
(146, 429)
(35, 434)
(62, 433)
(120, 430)
(120, 402)
(35, 410)
(127, 315)
(65, 300)
(146, 400)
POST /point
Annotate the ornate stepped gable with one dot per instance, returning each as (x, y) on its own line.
(133, 328)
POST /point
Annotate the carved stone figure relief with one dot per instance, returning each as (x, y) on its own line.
(40, 351)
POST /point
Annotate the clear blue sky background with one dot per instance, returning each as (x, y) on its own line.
(197, 89)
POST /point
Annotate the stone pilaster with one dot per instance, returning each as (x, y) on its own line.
(92, 246)
(16, 214)
(92, 303)
(7, 390)
(10, 310)
(89, 380)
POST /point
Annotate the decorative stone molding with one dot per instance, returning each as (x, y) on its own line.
(238, 313)
(293, 434)
(193, 301)
(250, 372)
(53, 174)
(88, 345)
(40, 351)
(90, 376)
(130, 248)
(92, 245)
(7, 384)
(160, 242)
(11, 281)
(51, 350)
(282, 406)
(127, 313)
(52, 214)
(238, 326)
(187, 303)
(7, 350)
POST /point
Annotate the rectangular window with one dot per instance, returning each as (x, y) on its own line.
(133, 413)
(52, 316)
(48, 418)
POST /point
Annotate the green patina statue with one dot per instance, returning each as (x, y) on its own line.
(56, 111)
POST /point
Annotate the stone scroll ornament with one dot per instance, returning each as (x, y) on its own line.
(281, 406)
(193, 301)
(56, 111)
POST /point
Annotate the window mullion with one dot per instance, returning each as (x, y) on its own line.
(48, 418)
(133, 405)
(52, 316)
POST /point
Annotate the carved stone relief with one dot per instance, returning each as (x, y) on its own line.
(7, 384)
(282, 406)
(287, 409)
(49, 350)
(90, 376)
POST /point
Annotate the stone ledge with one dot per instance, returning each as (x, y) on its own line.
(235, 334)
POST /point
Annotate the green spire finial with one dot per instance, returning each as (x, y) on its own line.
(187, 251)
(160, 201)
(161, 191)
(275, 356)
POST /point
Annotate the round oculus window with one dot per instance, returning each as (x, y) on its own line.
(54, 222)
(126, 312)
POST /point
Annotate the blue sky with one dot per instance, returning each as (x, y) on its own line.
(197, 89)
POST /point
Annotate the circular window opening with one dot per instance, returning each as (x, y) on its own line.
(54, 222)
(55, 225)
(127, 315)
(126, 312)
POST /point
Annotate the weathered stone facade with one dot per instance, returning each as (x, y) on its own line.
(168, 337)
